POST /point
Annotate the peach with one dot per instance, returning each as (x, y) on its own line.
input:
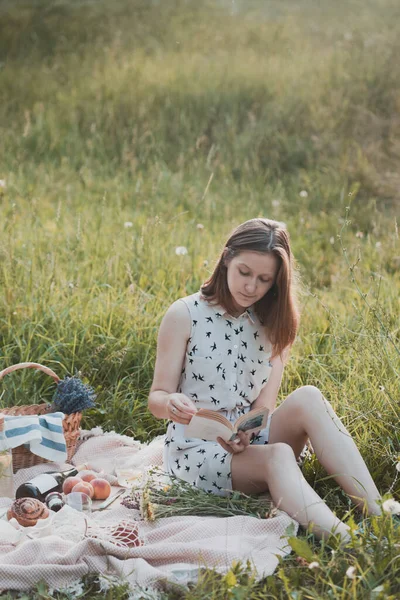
(69, 484)
(87, 475)
(102, 489)
(85, 487)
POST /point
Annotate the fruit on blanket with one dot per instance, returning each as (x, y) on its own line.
(69, 483)
(84, 487)
(87, 475)
(27, 511)
(101, 487)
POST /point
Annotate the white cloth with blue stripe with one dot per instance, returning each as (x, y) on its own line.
(43, 434)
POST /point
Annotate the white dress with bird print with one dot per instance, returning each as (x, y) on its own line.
(227, 363)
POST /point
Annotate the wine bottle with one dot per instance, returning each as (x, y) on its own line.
(41, 485)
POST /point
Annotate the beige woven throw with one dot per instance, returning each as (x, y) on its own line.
(166, 551)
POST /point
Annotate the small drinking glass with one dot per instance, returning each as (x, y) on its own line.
(79, 501)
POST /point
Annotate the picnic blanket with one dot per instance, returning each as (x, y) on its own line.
(170, 550)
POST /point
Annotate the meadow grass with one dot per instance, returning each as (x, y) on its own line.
(125, 125)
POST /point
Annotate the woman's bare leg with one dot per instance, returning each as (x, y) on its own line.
(307, 414)
(274, 467)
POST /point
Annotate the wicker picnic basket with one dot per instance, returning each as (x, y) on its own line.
(23, 457)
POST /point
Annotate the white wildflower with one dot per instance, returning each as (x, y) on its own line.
(332, 239)
(71, 285)
(313, 565)
(181, 250)
(108, 581)
(199, 226)
(276, 203)
(351, 572)
(128, 224)
(377, 590)
(398, 466)
(359, 234)
(303, 194)
(378, 245)
(148, 594)
(76, 588)
(382, 388)
(3, 184)
(391, 506)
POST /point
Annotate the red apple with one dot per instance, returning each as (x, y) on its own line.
(84, 487)
(102, 489)
(69, 484)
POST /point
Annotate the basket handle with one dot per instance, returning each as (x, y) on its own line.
(30, 365)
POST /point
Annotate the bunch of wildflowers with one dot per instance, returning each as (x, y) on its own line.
(179, 498)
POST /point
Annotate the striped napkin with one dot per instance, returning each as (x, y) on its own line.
(42, 434)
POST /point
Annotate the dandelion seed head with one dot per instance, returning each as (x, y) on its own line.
(351, 573)
(378, 245)
(391, 506)
(181, 251)
(200, 226)
(128, 224)
(303, 194)
(332, 239)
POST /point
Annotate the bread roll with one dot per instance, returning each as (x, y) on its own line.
(27, 511)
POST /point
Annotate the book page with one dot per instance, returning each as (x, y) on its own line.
(207, 429)
(252, 421)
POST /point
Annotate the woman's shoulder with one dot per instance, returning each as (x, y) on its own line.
(182, 306)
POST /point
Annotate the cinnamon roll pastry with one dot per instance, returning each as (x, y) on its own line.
(27, 511)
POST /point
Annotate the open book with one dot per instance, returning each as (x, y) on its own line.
(210, 424)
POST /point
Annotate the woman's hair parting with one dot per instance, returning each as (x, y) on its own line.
(278, 309)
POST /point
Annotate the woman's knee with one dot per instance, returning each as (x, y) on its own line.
(278, 454)
(307, 397)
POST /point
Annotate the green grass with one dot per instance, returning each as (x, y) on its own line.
(166, 115)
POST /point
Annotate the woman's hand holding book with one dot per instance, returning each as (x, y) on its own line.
(240, 443)
(180, 408)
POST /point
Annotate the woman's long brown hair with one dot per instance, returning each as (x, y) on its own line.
(278, 309)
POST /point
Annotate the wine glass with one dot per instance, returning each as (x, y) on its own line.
(79, 501)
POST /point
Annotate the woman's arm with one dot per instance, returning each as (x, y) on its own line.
(269, 392)
(174, 332)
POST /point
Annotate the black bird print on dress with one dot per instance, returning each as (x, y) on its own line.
(215, 364)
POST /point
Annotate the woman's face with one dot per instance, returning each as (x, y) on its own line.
(250, 275)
